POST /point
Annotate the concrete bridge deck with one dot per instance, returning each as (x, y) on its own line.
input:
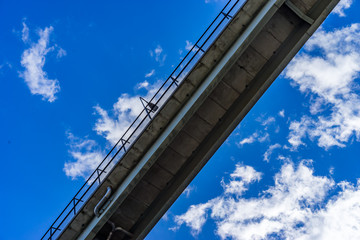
(209, 103)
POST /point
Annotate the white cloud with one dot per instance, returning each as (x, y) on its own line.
(145, 84)
(264, 137)
(330, 78)
(342, 5)
(248, 140)
(125, 110)
(151, 73)
(270, 150)
(255, 137)
(112, 126)
(33, 60)
(298, 130)
(268, 121)
(61, 53)
(158, 54)
(240, 179)
(4, 65)
(86, 154)
(246, 173)
(189, 45)
(282, 113)
(295, 207)
(25, 33)
(196, 216)
(188, 190)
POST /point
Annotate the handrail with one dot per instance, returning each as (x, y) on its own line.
(161, 95)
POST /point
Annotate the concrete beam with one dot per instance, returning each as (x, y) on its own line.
(218, 92)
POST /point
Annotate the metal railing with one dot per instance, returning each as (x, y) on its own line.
(144, 118)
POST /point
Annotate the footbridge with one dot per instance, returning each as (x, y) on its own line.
(198, 106)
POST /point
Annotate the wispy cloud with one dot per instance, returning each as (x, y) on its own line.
(158, 55)
(188, 45)
(4, 66)
(25, 33)
(327, 71)
(150, 74)
(61, 53)
(268, 121)
(249, 139)
(255, 137)
(33, 60)
(295, 207)
(270, 150)
(188, 190)
(145, 84)
(342, 5)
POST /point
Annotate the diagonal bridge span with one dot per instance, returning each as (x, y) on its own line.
(228, 69)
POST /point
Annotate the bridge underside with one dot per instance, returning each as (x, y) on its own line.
(209, 103)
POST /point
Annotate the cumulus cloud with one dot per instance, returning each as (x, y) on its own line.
(124, 111)
(240, 179)
(342, 5)
(113, 124)
(158, 55)
(196, 216)
(86, 155)
(328, 71)
(33, 60)
(297, 206)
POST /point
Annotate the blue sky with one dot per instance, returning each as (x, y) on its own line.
(71, 75)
